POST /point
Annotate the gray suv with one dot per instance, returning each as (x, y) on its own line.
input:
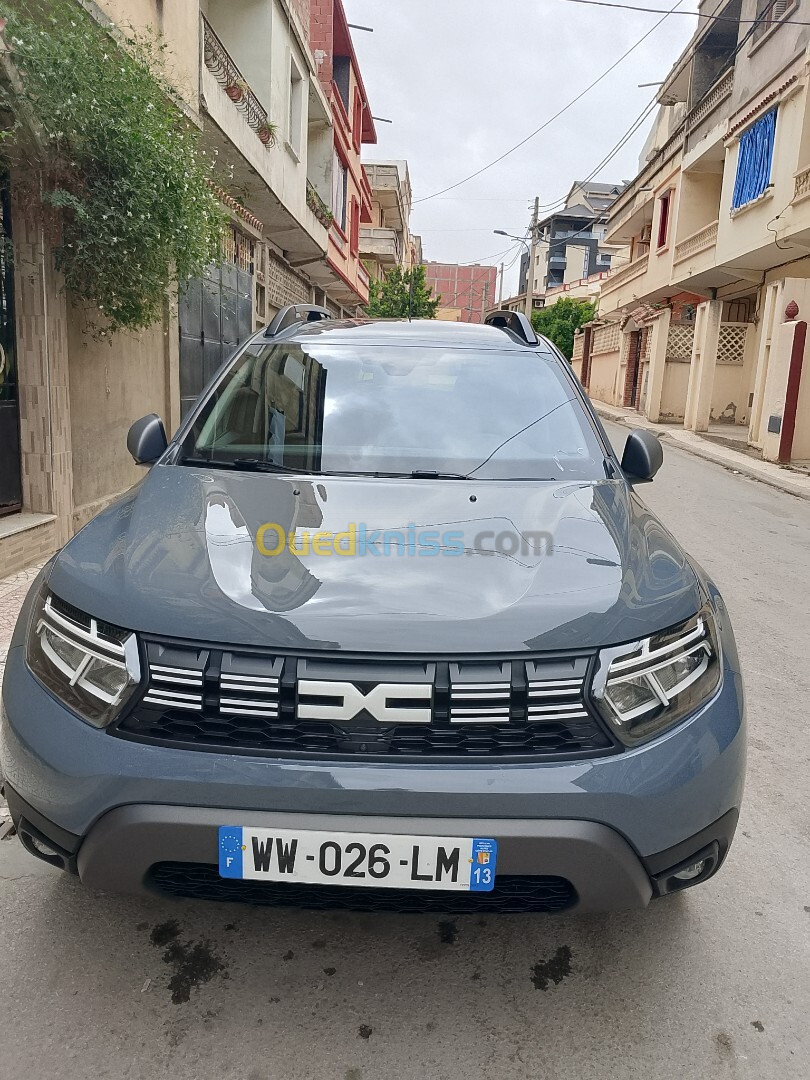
(384, 626)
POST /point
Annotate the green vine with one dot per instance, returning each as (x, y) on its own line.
(113, 165)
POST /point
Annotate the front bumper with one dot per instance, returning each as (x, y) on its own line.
(606, 823)
(601, 870)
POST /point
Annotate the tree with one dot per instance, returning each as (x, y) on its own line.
(559, 321)
(115, 173)
(402, 294)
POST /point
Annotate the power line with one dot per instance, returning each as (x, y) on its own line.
(677, 69)
(556, 115)
(700, 15)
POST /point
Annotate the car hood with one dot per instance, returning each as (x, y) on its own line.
(178, 557)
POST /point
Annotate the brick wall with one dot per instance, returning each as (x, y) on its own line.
(321, 20)
(301, 9)
(471, 289)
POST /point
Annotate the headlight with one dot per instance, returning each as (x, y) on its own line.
(644, 688)
(88, 664)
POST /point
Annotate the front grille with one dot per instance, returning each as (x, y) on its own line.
(512, 893)
(251, 702)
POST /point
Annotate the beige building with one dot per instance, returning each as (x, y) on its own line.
(698, 318)
(387, 242)
(246, 76)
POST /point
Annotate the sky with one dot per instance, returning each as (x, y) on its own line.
(463, 80)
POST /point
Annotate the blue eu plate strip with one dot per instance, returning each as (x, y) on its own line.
(230, 851)
(482, 867)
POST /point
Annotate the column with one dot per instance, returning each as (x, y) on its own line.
(659, 340)
(42, 364)
(704, 361)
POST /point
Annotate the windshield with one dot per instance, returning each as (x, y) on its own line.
(396, 411)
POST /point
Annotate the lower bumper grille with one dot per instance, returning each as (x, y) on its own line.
(512, 893)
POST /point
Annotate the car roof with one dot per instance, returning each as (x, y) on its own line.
(434, 333)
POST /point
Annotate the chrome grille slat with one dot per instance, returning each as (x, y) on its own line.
(213, 700)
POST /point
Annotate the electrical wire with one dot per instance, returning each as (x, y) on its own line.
(556, 115)
(700, 15)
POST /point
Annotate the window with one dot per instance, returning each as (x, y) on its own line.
(754, 160)
(354, 227)
(663, 218)
(769, 13)
(294, 120)
(340, 178)
(357, 121)
(341, 66)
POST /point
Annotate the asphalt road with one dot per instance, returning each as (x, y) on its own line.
(713, 983)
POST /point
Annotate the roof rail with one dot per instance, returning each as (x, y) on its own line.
(295, 314)
(515, 322)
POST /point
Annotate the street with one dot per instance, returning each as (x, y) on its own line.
(713, 982)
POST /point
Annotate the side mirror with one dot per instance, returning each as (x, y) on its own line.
(643, 455)
(146, 439)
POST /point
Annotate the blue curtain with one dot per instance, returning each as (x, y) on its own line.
(754, 160)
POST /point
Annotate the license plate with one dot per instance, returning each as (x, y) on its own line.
(323, 858)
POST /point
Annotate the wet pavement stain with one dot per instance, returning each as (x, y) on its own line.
(163, 933)
(757, 1025)
(364, 1031)
(448, 932)
(553, 970)
(194, 962)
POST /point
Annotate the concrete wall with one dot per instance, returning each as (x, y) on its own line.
(179, 24)
(673, 395)
(604, 377)
(112, 385)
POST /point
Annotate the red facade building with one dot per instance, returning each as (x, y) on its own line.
(466, 292)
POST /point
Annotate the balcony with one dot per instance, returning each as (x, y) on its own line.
(802, 188)
(382, 245)
(703, 240)
(616, 278)
(387, 189)
(230, 78)
(704, 108)
(240, 134)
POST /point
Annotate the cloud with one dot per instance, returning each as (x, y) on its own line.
(463, 80)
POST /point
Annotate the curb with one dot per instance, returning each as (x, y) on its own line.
(744, 467)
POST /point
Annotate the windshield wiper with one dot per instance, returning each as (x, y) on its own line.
(414, 474)
(241, 465)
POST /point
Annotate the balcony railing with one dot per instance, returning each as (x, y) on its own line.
(699, 241)
(619, 277)
(802, 184)
(381, 243)
(221, 65)
(318, 206)
(718, 93)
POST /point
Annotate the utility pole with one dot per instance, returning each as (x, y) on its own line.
(532, 257)
(500, 288)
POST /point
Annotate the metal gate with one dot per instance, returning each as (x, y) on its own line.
(10, 460)
(216, 315)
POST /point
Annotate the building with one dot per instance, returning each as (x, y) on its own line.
(704, 322)
(340, 78)
(470, 290)
(286, 125)
(387, 243)
(571, 241)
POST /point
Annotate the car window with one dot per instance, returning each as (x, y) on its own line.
(366, 408)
